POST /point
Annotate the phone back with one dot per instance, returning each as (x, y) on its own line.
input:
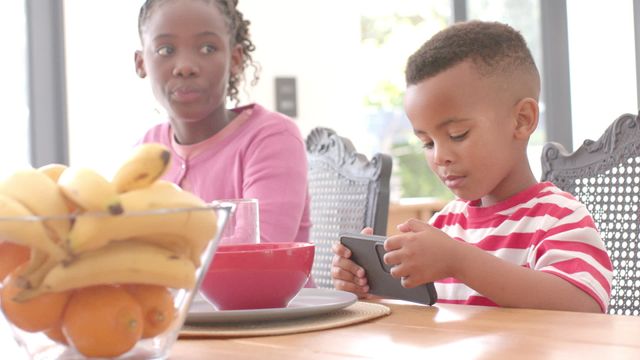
(368, 252)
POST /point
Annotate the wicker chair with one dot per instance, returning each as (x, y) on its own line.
(348, 193)
(605, 176)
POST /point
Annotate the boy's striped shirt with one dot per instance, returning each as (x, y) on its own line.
(542, 228)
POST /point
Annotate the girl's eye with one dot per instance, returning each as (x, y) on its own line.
(165, 50)
(207, 49)
(428, 145)
(459, 137)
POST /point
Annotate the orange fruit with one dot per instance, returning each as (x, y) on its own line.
(11, 256)
(102, 321)
(157, 307)
(56, 334)
(40, 313)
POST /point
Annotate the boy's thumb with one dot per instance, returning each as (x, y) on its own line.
(415, 225)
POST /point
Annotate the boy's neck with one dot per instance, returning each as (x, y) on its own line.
(520, 180)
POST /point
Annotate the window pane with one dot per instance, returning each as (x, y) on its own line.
(389, 33)
(15, 122)
(602, 61)
(524, 16)
(109, 107)
(349, 70)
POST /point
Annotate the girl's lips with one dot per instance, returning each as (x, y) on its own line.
(186, 94)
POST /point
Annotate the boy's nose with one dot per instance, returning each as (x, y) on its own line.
(441, 156)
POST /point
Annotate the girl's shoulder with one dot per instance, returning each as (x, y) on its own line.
(158, 133)
(268, 123)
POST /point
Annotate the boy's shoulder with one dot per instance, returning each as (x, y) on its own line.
(536, 196)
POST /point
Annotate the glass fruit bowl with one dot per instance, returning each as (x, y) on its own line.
(122, 295)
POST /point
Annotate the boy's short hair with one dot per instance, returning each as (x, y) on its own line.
(492, 47)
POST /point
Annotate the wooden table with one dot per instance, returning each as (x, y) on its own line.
(420, 332)
(408, 208)
(448, 331)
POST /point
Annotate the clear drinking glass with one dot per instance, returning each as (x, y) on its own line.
(243, 226)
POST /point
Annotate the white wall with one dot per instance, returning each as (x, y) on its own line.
(315, 42)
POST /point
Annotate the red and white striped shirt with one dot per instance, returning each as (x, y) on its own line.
(542, 228)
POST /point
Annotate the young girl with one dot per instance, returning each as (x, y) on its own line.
(194, 53)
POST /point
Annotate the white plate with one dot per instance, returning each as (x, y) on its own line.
(308, 302)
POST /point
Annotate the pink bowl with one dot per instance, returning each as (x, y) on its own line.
(257, 276)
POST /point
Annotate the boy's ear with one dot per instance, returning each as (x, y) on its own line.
(139, 61)
(237, 57)
(526, 117)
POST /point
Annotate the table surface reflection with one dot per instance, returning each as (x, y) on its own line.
(451, 331)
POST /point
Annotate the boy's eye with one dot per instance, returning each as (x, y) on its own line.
(459, 137)
(165, 50)
(207, 49)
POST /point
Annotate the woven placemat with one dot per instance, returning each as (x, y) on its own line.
(356, 313)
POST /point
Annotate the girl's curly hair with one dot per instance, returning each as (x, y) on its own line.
(238, 28)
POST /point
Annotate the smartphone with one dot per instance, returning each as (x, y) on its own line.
(368, 252)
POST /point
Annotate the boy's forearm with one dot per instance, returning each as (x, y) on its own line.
(510, 285)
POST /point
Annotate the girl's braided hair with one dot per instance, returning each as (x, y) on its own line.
(238, 28)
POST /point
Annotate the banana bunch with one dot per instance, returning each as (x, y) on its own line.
(188, 231)
(134, 228)
(31, 193)
(118, 263)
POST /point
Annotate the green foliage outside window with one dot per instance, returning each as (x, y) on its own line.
(388, 38)
(416, 177)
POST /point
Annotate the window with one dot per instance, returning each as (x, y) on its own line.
(603, 65)
(390, 32)
(348, 59)
(524, 16)
(109, 107)
(15, 122)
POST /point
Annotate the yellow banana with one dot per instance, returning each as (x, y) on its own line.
(38, 192)
(196, 226)
(178, 244)
(147, 163)
(89, 190)
(125, 262)
(36, 259)
(52, 170)
(31, 233)
(37, 269)
(41, 196)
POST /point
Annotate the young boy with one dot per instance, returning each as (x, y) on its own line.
(507, 240)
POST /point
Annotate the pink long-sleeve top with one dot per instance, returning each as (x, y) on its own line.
(260, 154)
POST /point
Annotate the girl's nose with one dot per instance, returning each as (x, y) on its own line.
(184, 68)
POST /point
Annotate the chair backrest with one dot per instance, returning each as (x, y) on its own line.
(605, 176)
(348, 192)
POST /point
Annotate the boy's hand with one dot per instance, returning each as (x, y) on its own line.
(346, 274)
(421, 254)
